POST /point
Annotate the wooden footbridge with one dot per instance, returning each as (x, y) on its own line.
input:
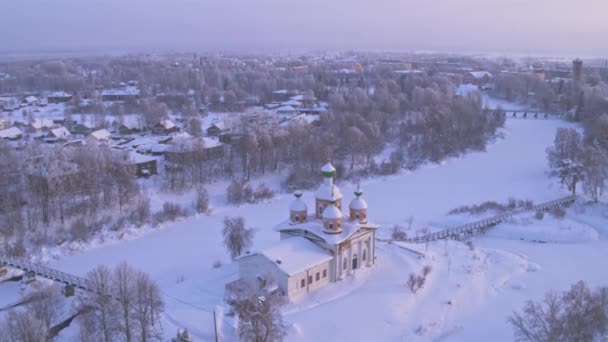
(32, 270)
(531, 114)
(481, 226)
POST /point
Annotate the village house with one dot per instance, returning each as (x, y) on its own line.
(82, 129)
(165, 127)
(101, 135)
(126, 94)
(12, 134)
(40, 124)
(58, 97)
(129, 128)
(31, 100)
(317, 248)
(141, 165)
(218, 128)
(59, 133)
(213, 149)
(478, 78)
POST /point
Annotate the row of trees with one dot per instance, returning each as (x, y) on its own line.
(124, 304)
(76, 189)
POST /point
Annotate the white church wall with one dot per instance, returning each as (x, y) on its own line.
(295, 288)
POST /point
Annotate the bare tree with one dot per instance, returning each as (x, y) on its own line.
(579, 314)
(103, 319)
(147, 307)
(123, 288)
(237, 238)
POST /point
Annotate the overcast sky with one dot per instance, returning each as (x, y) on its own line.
(554, 27)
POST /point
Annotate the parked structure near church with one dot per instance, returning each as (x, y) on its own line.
(316, 248)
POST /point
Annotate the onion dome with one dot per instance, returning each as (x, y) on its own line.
(297, 204)
(332, 213)
(328, 170)
(358, 203)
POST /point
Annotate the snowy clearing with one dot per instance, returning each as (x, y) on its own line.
(469, 293)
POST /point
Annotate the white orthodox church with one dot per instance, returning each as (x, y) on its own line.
(316, 248)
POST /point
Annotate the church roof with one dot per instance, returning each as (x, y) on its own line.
(296, 254)
(315, 227)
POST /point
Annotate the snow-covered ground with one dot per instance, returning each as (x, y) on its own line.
(469, 293)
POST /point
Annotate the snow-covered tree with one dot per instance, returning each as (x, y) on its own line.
(237, 238)
(258, 310)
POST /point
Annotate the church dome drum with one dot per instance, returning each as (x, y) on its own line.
(358, 207)
(298, 211)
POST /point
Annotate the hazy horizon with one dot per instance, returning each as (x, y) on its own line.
(534, 27)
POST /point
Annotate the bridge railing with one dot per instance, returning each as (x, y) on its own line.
(442, 234)
(46, 272)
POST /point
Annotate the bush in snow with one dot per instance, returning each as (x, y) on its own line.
(171, 212)
(201, 205)
(413, 282)
(578, 314)
(141, 212)
(539, 215)
(263, 192)
(239, 192)
(217, 264)
(416, 282)
(426, 270)
(234, 192)
(469, 244)
(492, 206)
(237, 238)
(558, 212)
(398, 234)
(79, 230)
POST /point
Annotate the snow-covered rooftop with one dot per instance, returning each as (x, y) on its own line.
(60, 132)
(101, 134)
(10, 133)
(128, 91)
(211, 142)
(480, 74)
(296, 254)
(61, 94)
(315, 226)
(139, 158)
(41, 123)
(167, 124)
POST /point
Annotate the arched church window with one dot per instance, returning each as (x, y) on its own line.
(357, 216)
(355, 263)
(331, 226)
(297, 218)
(345, 264)
(363, 257)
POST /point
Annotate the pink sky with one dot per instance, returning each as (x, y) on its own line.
(503, 26)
